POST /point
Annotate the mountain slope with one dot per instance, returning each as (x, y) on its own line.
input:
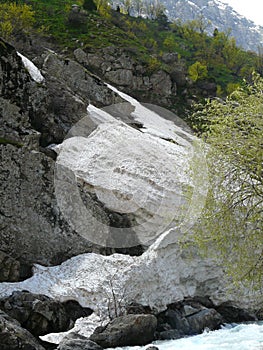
(220, 16)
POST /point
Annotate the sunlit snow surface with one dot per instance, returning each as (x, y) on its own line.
(32, 69)
(241, 337)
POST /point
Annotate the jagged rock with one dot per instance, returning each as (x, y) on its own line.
(127, 330)
(232, 313)
(74, 310)
(32, 225)
(161, 83)
(40, 314)
(178, 76)
(12, 270)
(120, 69)
(77, 78)
(208, 318)
(122, 77)
(75, 341)
(187, 318)
(37, 313)
(9, 268)
(13, 336)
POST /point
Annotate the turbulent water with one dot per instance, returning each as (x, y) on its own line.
(238, 337)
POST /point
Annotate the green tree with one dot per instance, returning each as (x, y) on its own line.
(232, 222)
(14, 19)
(197, 71)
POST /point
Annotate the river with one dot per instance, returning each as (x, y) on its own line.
(231, 337)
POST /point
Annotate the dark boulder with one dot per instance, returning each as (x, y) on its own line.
(75, 341)
(233, 313)
(207, 318)
(40, 314)
(74, 310)
(129, 330)
(169, 334)
(13, 336)
(187, 318)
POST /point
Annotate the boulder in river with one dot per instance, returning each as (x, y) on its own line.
(129, 330)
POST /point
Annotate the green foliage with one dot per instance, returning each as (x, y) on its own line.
(89, 5)
(232, 223)
(169, 42)
(15, 18)
(153, 64)
(231, 87)
(197, 71)
(225, 63)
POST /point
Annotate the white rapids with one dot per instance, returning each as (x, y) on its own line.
(238, 337)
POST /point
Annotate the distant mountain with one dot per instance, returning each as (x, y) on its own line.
(221, 16)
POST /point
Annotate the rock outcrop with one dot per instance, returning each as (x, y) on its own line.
(120, 69)
(129, 330)
(41, 315)
(34, 115)
(186, 319)
(75, 341)
(13, 336)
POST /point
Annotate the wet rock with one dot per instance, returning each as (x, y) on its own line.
(232, 313)
(129, 330)
(187, 318)
(208, 318)
(75, 341)
(170, 334)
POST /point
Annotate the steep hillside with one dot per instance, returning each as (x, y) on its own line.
(219, 15)
(197, 64)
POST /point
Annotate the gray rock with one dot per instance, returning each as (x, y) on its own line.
(75, 341)
(9, 268)
(178, 76)
(233, 313)
(129, 330)
(37, 313)
(207, 318)
(169, 334)
(123, 77)
(161, 83)
(89, 87)
(13, 336)
(170, 57)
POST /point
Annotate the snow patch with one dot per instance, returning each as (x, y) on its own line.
(32, 69)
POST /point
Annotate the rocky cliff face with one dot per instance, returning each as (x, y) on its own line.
(221, 16)
(78, 181)
(34, 115)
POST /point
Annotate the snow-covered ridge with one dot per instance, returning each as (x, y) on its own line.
(220, 15)
(32, 69)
